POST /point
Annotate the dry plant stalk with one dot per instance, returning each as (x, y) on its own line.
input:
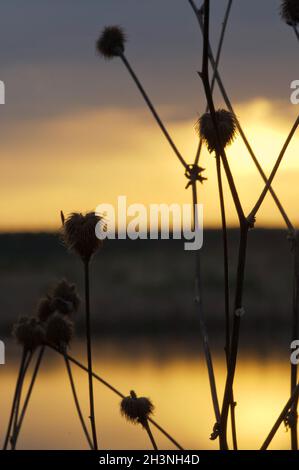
(216, 129)
(245, 224)
(115, 48)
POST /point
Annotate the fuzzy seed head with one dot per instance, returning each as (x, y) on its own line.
(29, 332)
(45, 309)
(136, 410)
(226, 126)
(59, 330)
(79, 234)
(290, 12)
(65, 297)
(111, 43)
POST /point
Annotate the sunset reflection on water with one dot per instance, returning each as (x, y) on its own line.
(177, 384)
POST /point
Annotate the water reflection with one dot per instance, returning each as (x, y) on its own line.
(177, 384)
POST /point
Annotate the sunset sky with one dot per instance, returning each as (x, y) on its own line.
(75, 132)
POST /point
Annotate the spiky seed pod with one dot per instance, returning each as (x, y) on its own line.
(45, 308)
(136, 410)
(226, 125)
(290, 12)
(111, 43)
(62, 306)
(29, 332)
(79, 234)
(59, 330)
(65, 297)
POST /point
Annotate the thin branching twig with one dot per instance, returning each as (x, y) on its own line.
(28, 395)
(18, 402)
(218, 55)
(12, 411)
(293, 421)
(152, 109)
(226, 293)
(274, 171)
(296, 31)
(240, 129)
(181, 159)
(281, 418)
(89, 355)
(117, 392)
(76, 400)
(203, 329)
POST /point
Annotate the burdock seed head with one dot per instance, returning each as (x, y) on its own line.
(59, 330)
(45, 308)
(226, 126)
(136, 410)
(29, 332)
(65, 297)
(290, 12)
(79, 234)
(111, 43)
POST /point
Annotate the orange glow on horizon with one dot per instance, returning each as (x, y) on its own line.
(77, 162)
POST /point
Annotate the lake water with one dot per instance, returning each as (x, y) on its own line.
(177, 384)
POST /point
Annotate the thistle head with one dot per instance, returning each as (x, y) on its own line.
(136, 410)
(289, 11)
(226, 123)
(59, 330)
(111, 43)
(45, 308)
(29, 332)
(65, 297)
(79, 234)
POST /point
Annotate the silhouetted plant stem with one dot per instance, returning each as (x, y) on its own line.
(152, 109)
(228, 395)
(296, 31)
(12, 411)
(89, 354)
(25, 361)
(281, 418)
(166, 134)
(16, 416)
(77, 404)
(150, 434)
(28, 395)
(225, 257)
(240, 129)
(235, 196)
(117, 392)
(219, 50)
(293, 421)
(224, 231)
(228, 392)
(226, 293)
(273, 172)
(198, 301)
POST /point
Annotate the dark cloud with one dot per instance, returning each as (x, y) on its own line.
(49, 64)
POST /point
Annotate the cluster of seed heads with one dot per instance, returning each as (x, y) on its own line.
(63, 299)
(52, 323)
(29, 332)
(59, 330)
